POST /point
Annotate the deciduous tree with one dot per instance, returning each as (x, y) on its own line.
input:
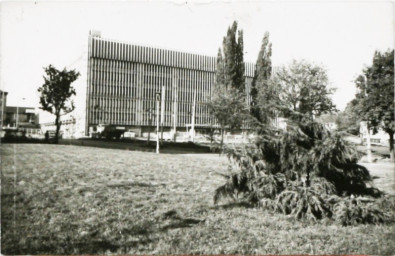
(229, 109)
(300, 89)
(349, 119)
(376, 95)
(56, 92)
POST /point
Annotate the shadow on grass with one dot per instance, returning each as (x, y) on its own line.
(133, 184)
(142, 233)
(232, 205)
(15, 139)
(181, 223)
(124, 144)
(174, 220)
(140, 145)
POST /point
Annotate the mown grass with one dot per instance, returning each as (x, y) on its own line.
(63, 199)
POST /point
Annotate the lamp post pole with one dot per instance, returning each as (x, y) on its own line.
(16, 117)
(162, 112)
(368, 146)
(150, 123)
(193, 117)
(157, 96)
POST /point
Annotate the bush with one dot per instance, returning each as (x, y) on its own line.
(302, 202)
(353, 211)
(304, 172)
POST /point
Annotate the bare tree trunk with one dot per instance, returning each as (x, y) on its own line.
(392, 156)
(57, 124)
(211, 135)
(308, 179)
(222, 137)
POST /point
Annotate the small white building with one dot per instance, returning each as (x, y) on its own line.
(380, 138)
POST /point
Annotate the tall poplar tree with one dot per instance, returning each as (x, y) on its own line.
(220, 72)
(260, 82)
(234, 58)
(228, 104)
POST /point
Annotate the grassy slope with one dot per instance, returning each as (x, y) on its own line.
(80, 200)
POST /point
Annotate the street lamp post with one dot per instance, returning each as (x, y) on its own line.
(149, 111)
(162, 113)
(193, 117)
(368, 146)
(157, 97)
(16, 116)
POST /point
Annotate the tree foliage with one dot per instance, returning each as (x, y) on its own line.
(305, 171)
(349, 119)
(354, 211)
(56, 92)
(376, 94)
(228, 102)
(260, 82)
(233, 60)
(298, 90)
(229, 108)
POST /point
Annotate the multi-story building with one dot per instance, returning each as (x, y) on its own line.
(123, 79)
(20, 118)
(23, 119)
(3, 104)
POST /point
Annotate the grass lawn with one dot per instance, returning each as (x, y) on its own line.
(65, 199)
(384, 175)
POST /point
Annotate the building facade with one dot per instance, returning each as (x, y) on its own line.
(378, 138)
(3, 104)
(123, 81)
(20, 118)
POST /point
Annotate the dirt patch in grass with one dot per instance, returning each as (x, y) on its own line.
(59, 199)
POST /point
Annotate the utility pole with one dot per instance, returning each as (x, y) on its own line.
(175, 107)
(150, 123)
(16, 117)
(162, 112)
(157, 97)
(193, 117)
(368, 146)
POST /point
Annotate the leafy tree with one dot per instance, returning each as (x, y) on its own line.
(233, 62)
(228, 102)
(349, 119)
(56, 92)
(260, 82)
(306, 170)
(229, 108)
(376, 95)
(299, 90)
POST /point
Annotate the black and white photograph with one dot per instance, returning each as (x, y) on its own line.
(213, 127)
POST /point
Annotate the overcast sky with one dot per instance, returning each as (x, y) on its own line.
(340, 35)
